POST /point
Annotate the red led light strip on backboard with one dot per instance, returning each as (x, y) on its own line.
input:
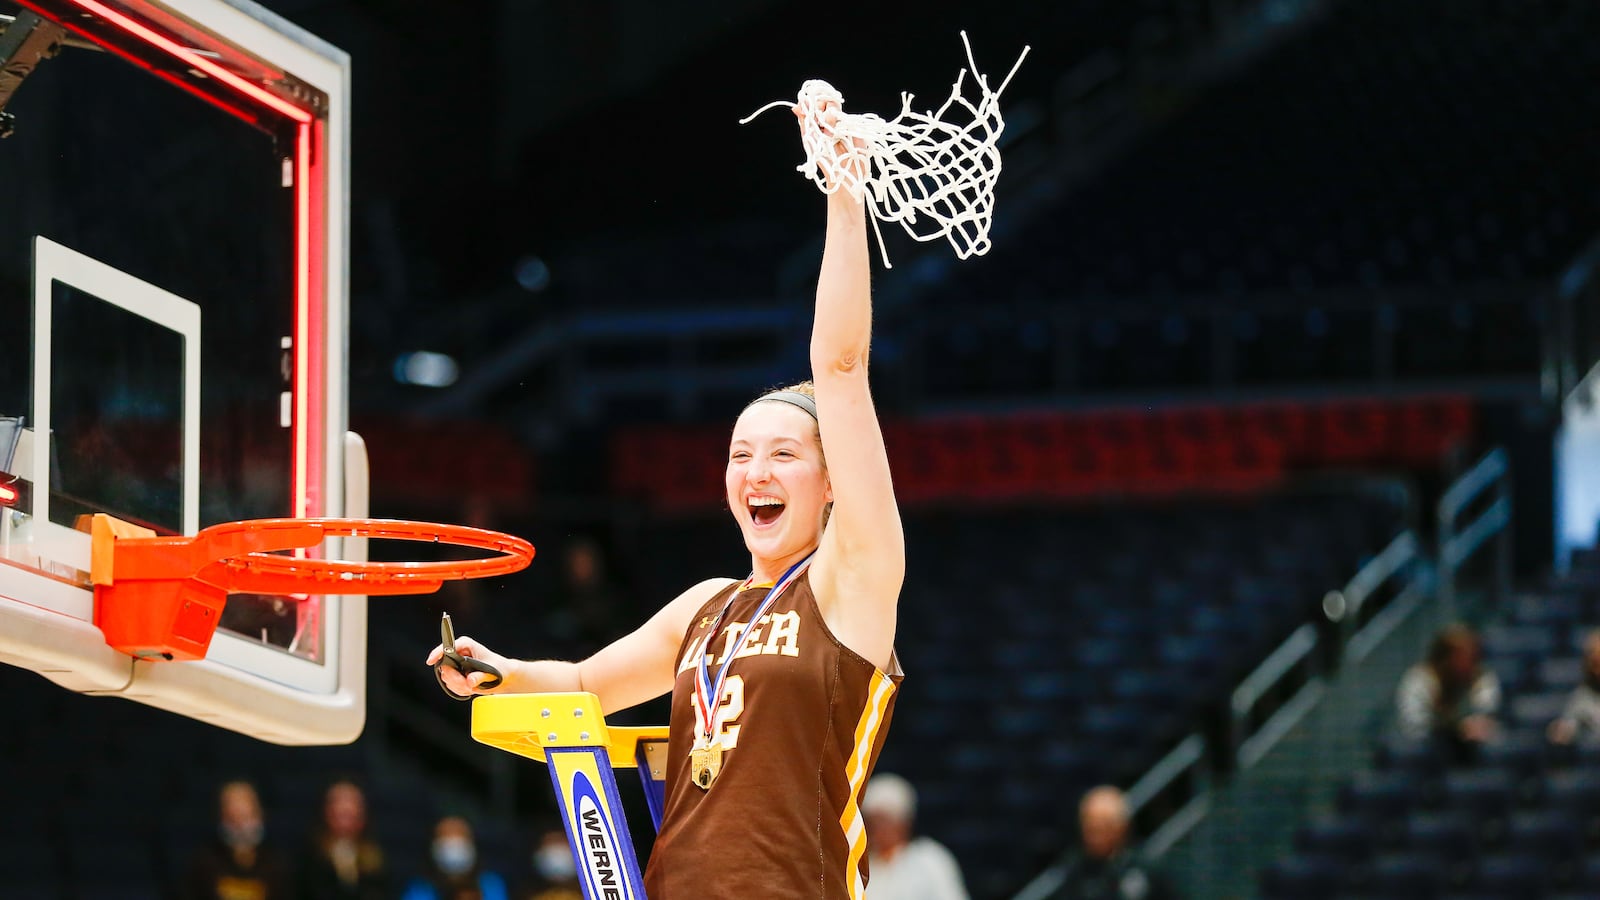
(309, 289)
(310, 156)
(194, 60)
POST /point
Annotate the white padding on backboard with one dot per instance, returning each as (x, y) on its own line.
(55, 264)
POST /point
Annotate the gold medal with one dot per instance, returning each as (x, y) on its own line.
(705, 763)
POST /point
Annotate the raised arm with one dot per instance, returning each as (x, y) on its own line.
(636, 667)
(861, 562)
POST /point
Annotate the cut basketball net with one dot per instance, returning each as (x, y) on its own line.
(934, 177)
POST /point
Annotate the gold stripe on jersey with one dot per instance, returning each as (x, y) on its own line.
(855, 832)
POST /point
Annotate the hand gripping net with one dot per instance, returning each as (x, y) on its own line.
(934, 177)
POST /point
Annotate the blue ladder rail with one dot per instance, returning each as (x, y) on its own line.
(568, 733)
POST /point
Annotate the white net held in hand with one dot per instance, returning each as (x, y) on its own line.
(934, 177)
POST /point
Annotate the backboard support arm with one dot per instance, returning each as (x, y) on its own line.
(25, 41)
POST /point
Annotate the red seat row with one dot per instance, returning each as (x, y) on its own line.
(1242, 447)
(447, 462)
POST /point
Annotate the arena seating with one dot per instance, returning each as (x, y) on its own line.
(1388, 151)
(1381, 147)
(1071, 455)
(1522, 821)
(732, 247)
(1379, 154)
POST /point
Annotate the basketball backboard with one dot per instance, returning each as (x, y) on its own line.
(173, 251)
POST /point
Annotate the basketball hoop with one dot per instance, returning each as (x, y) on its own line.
(162, 597)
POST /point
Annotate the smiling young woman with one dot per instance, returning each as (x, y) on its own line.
(783, 684)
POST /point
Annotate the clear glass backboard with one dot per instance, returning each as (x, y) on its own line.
(173, 298)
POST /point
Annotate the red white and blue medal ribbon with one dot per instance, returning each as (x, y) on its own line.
(708, 696)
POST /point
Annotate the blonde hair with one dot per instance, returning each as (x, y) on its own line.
(804, 389)
(802, 395)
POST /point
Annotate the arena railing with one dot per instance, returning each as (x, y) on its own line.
(1354, 606)
(1572, 327)
(1488, 481)
(1219, 332)
(1273, 696)
(1289, 682)
(1183, 770)
(1175, 794)
(1353, 611)
(581, 367)
(680, 357)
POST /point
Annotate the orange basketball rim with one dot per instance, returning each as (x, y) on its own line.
(162, 597)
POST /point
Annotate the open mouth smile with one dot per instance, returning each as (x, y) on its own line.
(765, 511)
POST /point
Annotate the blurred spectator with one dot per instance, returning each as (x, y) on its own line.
(902, 867)
(1108, 868)
(589, 592)
(342, 861)
(1450, 697)
(236, 866)
(555, 874)
(1581, 718)
(454, 871)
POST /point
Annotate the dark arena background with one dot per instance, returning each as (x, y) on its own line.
(1276, 370)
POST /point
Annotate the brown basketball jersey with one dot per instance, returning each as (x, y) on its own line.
(802, 719)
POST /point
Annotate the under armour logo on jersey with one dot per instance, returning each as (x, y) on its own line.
(705, 621)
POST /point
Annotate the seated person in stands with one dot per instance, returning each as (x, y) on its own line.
(555, 873)
(235, 864)
(1108, 868)
(1450, 697)
(904, 867)
(454, 871)
(342, 861)
(1581, 719)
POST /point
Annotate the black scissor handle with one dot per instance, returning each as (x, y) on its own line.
(466, 665)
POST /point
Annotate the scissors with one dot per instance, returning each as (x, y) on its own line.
(466, 665)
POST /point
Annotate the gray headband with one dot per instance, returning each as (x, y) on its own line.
(793, 398)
